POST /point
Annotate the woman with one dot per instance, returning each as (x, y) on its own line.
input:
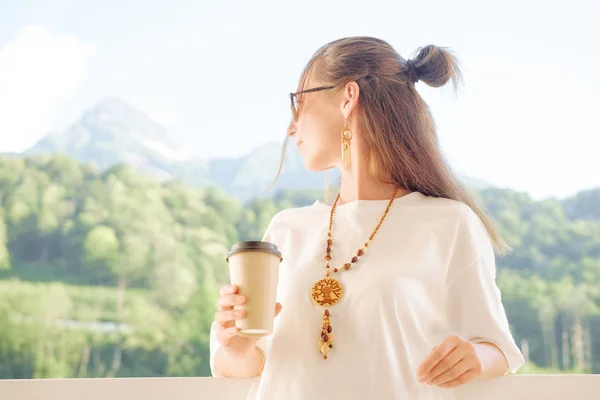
(390, 291)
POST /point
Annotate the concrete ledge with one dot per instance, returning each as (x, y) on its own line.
(514, 387)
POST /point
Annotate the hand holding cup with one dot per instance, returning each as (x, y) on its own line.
(226, 317)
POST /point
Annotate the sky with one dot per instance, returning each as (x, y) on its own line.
(217, 74)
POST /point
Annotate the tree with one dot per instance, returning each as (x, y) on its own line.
(4, 254)
(101, 251)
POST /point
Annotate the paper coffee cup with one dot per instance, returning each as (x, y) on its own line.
(254, 269)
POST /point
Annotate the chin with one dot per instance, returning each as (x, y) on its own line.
(316, 165)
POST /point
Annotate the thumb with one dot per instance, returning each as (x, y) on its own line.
(278, 308)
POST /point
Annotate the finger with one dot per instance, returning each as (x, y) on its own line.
(224, 335)
(228, 289)
(453, 358)
(437, 354)
(229, 315)
(229, 300)
(452, 373)
(467, 377)
(278, 308)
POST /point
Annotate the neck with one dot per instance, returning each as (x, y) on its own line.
(359, 184)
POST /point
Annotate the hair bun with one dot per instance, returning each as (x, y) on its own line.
(435, 66)
(412, 72)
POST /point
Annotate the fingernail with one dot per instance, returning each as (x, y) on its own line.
(241, 299)
(231, 289)
(239, 313)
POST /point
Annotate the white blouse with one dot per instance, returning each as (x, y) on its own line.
(428, 273)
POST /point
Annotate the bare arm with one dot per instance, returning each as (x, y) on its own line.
(234, 365)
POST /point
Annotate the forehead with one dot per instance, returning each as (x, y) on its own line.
(309, 78)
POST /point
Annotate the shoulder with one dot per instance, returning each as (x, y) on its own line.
(293, 218)
(457, 225)
(294, 215)
(453, 212)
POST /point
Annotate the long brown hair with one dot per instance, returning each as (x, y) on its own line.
(398, 126)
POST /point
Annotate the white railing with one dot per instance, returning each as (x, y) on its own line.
(514, 387)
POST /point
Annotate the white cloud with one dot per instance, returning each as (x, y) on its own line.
(38, 70)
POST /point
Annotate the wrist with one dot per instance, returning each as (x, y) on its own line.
(493, 361)
(237, 363)
(236, 353)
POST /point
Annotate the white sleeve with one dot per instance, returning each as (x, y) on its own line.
(474, 307)
(214, 345)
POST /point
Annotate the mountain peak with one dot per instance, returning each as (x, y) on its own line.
(112, 101)
(118, 117)
(114, 132)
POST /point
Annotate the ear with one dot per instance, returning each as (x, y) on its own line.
(350, 99)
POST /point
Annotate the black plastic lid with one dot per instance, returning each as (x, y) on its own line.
(254, 246)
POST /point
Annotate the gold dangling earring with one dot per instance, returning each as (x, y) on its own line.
(346, 138)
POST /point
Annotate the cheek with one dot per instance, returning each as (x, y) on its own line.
(316, 128)
(308, 124)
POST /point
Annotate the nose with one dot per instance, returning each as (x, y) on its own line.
(291, 131)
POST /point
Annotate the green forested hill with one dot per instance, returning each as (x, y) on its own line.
(116, 274)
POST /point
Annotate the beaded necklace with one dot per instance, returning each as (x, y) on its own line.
(328, 291)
